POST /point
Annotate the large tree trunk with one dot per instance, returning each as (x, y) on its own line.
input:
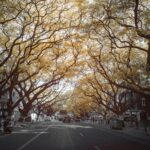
(148, 57)
(23, 114)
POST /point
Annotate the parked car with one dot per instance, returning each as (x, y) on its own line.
(67, 119)
(130, 118)
(77, 119)
(116, 124)
(28, 119)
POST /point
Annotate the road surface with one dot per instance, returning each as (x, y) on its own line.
(69, 136)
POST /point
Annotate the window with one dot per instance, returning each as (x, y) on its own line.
(143, 102)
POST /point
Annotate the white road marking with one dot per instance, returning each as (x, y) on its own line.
(17, 132)
(35, 137)
(81, 134)
(97, 148)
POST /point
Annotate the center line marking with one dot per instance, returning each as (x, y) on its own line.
(35, 137)
(97, 148)
(81, 134)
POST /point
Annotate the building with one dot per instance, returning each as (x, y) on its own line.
(137, 103)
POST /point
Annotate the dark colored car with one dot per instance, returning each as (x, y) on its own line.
(28, 119)
(67, 119)
(116, 124)
(77, 119)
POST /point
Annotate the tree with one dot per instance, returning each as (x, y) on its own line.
(33, 57)
(104, 96)
(46, 103)
(118, 50)
(122, 37)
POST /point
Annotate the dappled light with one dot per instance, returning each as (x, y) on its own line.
(74, 66)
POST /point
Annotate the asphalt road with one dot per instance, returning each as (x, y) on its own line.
(72, 136)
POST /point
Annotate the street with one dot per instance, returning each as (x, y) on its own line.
(74, 75)
(69, 136)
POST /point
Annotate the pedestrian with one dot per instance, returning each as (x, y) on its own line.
(0, 126)
(144, 120)
(136, 123)
(7, 128)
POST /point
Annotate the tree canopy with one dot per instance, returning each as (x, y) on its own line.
(102, 48)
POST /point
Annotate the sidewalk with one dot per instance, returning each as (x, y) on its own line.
(128, 131)
(139, 133)
(20, 125)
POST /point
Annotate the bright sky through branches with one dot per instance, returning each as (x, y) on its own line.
(91, 1)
